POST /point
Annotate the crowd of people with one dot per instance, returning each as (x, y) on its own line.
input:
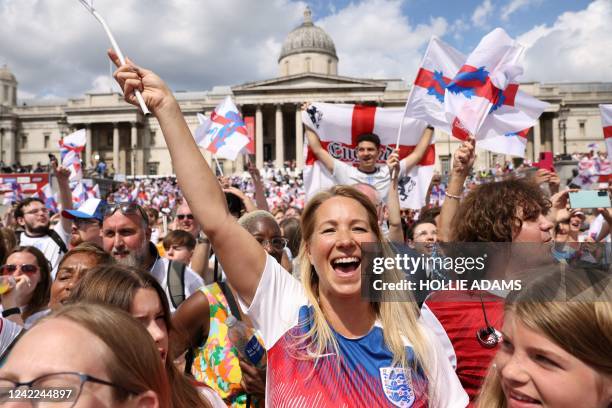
(207, 291)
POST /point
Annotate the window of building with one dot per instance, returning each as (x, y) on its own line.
(46, 140)
(152, 168)
(582, 128)
(23, 141)
(307, 67)
(6, 95)
(152, 141)
(445, 164)
(329, 67)
(109, 138)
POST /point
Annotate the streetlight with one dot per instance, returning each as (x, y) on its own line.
(563, 114)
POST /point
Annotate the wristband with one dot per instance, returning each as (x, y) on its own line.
(11, 311)
(456, 197)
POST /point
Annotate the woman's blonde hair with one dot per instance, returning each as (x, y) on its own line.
(133, 361)
(555, 306)
(399, 319)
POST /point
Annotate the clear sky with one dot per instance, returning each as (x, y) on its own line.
(56, 49)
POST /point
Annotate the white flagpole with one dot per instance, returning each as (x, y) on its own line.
(218, 166)
(399, 131)
(98, 17)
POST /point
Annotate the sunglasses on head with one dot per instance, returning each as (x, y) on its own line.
(126, 209)
(181, 217)
(25, 268)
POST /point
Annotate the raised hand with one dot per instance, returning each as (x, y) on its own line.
(130, 78)
(393, 162)
(464, 157)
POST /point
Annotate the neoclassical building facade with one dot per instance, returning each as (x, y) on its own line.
(132, 143)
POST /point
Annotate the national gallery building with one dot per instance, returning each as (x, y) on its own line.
(132, 144)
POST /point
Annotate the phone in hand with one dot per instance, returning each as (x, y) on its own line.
(52, 158)
(590, 199)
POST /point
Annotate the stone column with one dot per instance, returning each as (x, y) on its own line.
(556, 145)
(10, 143)
(135, 166)
(88, 145)
(116, 147)
(258, 137)
(279, 153)
(299, 138)
(537, 141)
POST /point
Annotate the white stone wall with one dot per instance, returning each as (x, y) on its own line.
(308, 62)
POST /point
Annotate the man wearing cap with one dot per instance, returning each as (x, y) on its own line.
(126, 236)
(33, 216)
(86, 222)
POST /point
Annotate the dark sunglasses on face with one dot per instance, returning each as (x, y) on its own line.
(25, 268)
(126, 209)
(181, 217)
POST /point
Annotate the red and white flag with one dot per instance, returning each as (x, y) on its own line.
(478, 86)
(339, 125)
(224, 134)
(71, 147)
(606, 123)
(506, 126)
(79, 194)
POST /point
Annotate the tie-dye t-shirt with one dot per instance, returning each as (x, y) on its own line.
(361, 376)
(216, 361)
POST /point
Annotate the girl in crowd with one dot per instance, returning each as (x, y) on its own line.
(327, 346)
(512, 210)
(139, 294)
(212, 358)
(73, 266)
(100, 354)
(27, 301)
(556, 349)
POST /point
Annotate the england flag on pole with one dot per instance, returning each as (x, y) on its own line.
(71, 147)
(606, 123)
(505, 128)
(224, 134)
(477, 88)
(338, 126)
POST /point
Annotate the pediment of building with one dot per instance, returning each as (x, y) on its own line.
(308, 81)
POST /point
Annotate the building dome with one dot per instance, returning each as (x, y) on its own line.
(6, 75)
(308, 38)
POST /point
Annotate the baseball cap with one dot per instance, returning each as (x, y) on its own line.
(91, 208)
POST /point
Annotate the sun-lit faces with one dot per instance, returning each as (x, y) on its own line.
(341, 225)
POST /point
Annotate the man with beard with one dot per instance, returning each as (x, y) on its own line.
(126, 236)
(32, 215)
(87, 222)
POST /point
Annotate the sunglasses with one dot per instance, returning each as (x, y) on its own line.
(25, 268)
(181, 217)
(126, 209)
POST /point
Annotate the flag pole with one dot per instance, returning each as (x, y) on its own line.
(98, 17)
(399, 131)
(218, 165)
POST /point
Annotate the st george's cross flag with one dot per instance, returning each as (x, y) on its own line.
(46, 194)
(478, 87)
(339, 125)
(606, 123)
(224, 134)
(504, 129)
(71, 148)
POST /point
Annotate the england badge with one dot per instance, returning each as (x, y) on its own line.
(397, 385)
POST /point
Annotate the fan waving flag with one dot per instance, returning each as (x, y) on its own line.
(224, 134)
(506, 126)
(338, 126)
(71, 147)
(606, 122)
(478, 87)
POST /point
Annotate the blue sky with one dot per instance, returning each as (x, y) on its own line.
(57, 50)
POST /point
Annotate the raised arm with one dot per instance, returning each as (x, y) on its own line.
(419, 150)
(260, 193)
(463, 160)
(62, 174)
(396, 234)
(197, 181)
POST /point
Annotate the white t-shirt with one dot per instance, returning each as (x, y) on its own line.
(48, 246)
(363, 377)
(192, 283)
(345, 173)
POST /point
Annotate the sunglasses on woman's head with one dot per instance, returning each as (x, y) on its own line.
(25, 268)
